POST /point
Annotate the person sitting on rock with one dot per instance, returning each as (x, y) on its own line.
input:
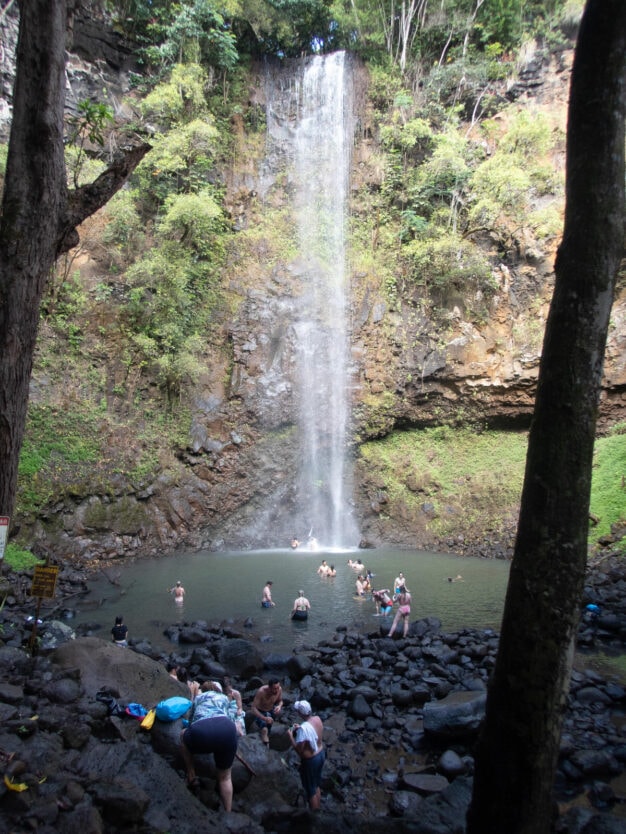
(119, 632)
(266, 706)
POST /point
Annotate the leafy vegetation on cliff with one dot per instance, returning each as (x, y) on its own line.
(459, 184)
(452, 479)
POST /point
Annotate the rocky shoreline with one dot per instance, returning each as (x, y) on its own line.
(401, 718)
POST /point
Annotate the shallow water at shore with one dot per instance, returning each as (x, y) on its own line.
(227, 586)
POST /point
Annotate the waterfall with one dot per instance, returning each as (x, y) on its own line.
(321, 136)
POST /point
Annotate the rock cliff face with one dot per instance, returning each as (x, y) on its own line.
(234, 485)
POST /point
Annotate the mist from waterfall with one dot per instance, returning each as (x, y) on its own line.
(323, 135)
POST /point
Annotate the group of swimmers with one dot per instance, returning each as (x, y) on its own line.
(385, 597)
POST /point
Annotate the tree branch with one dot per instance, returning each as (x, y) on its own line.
(86, 200)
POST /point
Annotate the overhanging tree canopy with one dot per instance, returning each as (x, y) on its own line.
(40, 214)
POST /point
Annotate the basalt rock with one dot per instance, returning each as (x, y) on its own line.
(60, 740)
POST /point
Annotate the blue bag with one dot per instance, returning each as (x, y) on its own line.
(172, 708)
(136, 710)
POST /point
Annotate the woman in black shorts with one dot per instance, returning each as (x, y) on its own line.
(211, 731)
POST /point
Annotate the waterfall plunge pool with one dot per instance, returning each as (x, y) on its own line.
(227, 586)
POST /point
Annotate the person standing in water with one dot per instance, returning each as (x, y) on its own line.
(301, 607)
(178, 591)
(266, 599)
(404, 611)
(383, 601)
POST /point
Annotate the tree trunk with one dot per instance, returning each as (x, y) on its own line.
(518, 749)
(39, 215)
(34, 198)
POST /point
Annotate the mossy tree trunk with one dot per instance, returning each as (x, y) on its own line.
(518, 749)
(39, 214)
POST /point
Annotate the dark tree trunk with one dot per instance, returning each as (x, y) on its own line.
(39, 215)
(518, 749)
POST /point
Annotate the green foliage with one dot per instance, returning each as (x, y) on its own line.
(385, 85)
(19, 559)
(444, 174)
(287, 28)
(181, 98)
(193, 220)
(413, 225)
(88, 125)
(63, 305)
(465, 83)
(197, 32)
(125, 227)
(171, 299)
(502, 21)
(477, 474)
(4, 150)
(546, 223)
(55, 440)
(181, 162)
(608, 485)
(529, 135)
(414, 137)
(446, 263)
(81, 168)
(503, 187)
(139, 19)
(499, 187)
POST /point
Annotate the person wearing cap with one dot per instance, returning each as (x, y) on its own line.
(178, 591)
(266, 600)
(301, 607)
(266, 705)
(306, 740)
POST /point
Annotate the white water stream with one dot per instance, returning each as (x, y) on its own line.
(311, 117)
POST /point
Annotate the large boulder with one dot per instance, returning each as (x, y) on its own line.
(240, 658)
(103, 665)
(458, 715)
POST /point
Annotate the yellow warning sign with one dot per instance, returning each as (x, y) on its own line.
(44, 581)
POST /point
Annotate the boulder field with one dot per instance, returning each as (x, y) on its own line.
(401, 717)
